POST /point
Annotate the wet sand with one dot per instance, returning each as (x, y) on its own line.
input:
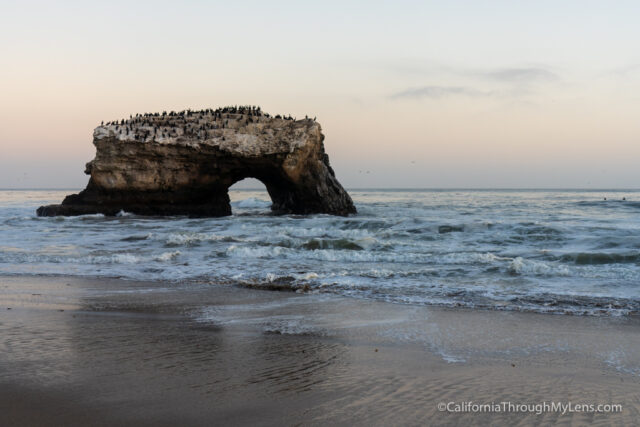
(115, 352)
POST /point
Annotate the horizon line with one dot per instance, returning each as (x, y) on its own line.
(382, 189)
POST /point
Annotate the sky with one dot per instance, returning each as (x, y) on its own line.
(425, 94)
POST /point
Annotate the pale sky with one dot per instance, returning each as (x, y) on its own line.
(427, 94)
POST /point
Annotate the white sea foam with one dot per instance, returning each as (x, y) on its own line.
(524, 266)
(617, 360)
(306, 276)
(167, 256)
(123, 258)
(488, 249)
(190, 238)
(252, 203)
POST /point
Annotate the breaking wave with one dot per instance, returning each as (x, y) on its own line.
(549, 252)
(251, 203)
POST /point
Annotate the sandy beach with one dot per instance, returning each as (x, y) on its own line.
(81, 351)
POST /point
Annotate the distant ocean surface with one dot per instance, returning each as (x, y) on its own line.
(531, 250)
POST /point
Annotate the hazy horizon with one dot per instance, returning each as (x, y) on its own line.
(258, 186)
(423, 95)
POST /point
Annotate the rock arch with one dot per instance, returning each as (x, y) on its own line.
(184, 165)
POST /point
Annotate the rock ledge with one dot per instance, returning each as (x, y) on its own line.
(184, 163)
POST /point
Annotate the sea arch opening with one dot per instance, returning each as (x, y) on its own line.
(249, 196)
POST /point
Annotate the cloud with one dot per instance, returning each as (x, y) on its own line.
(627, 70)
(520, 75)
(438, 92)
(514, 83)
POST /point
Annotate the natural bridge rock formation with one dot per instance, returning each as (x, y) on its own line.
(184, 163)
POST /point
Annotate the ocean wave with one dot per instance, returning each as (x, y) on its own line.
(450, 229)
(136, 237)
(520, 266)
(167, 256)
(609, 203)
(357, 245)
(88, 217)
(193, 238)
(597, 258)
(251, 203)
(498, 250)
(576, 304)
(364, 224)
(117, 258)
(535, 232)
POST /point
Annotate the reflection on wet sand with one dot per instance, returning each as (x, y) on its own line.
(121, 352)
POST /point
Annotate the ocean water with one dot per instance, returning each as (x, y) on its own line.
(567, 252)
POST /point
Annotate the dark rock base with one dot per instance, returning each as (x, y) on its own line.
(140, 203)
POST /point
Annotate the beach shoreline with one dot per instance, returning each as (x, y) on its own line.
(119, 352)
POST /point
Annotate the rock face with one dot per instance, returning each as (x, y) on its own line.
(184, 163)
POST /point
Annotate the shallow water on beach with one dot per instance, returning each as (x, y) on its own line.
(544, 251)
(123, 352)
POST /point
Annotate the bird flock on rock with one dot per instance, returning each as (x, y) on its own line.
(200, 124)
